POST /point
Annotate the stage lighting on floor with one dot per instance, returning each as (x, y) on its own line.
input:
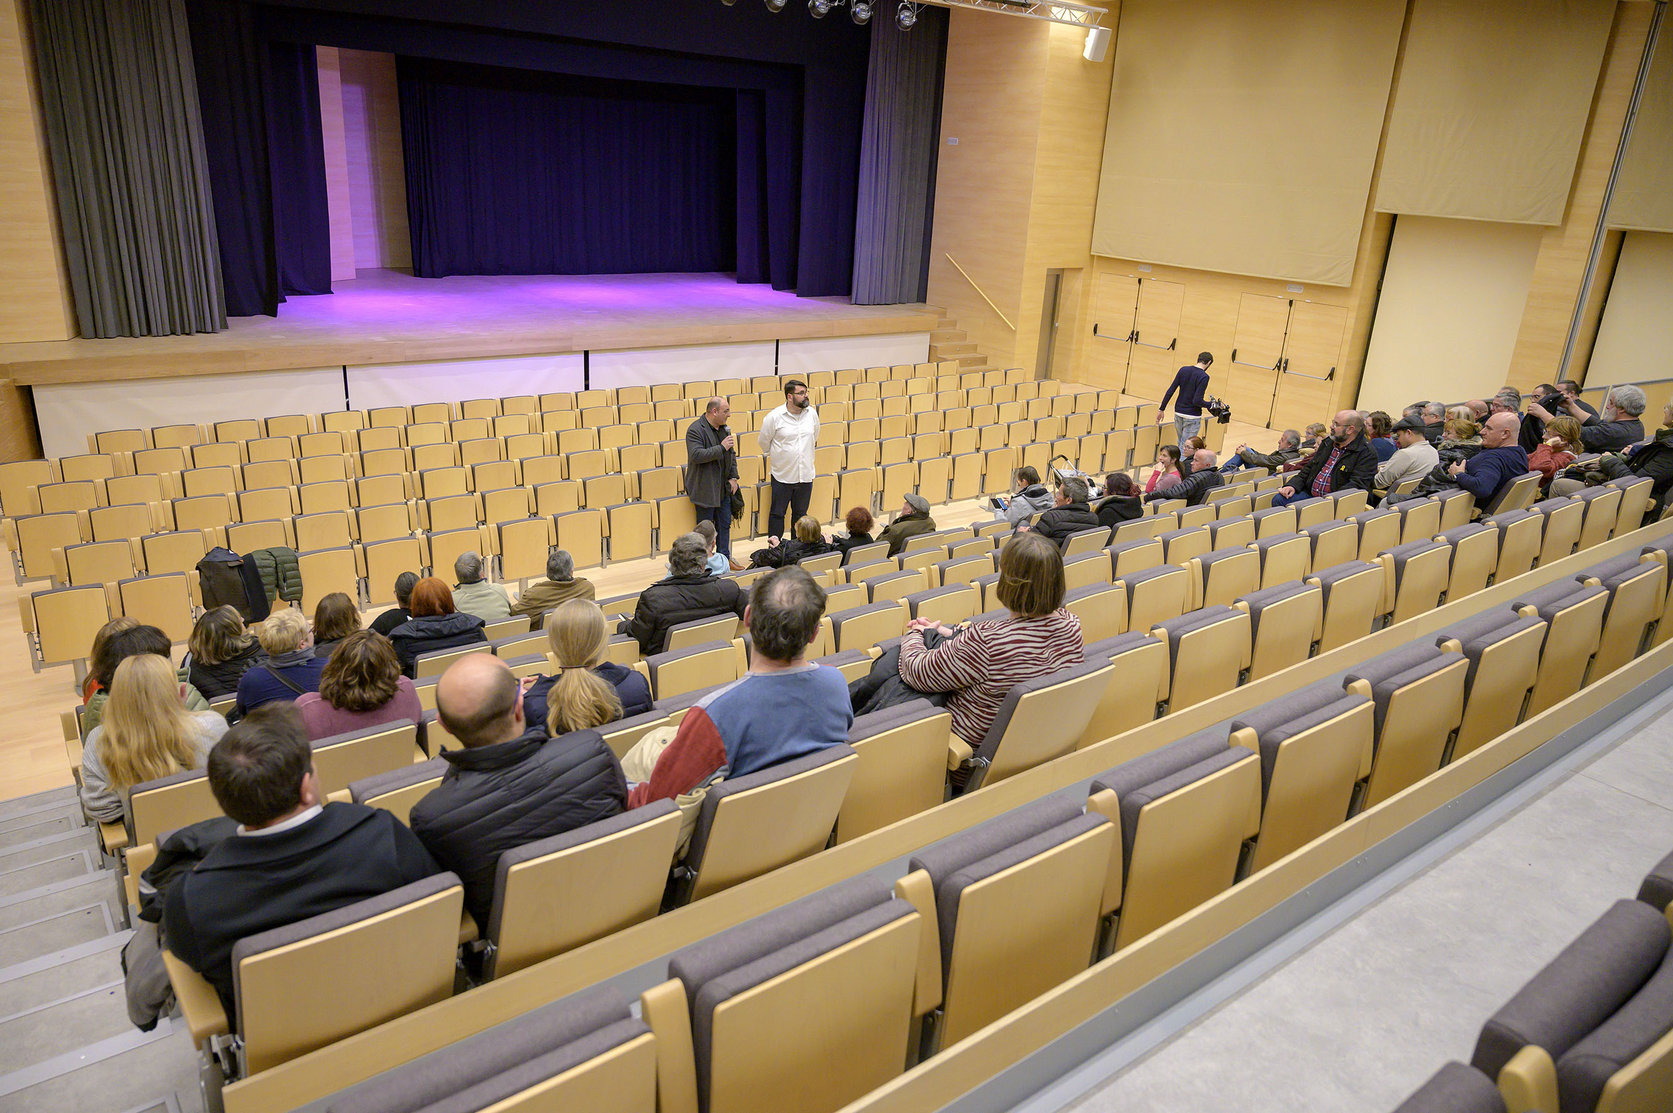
(818, 9)
(774, 5)
(860, 11)
(906, 15)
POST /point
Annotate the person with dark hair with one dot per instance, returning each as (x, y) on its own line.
(718, 565)
(128, 640)
(787, 437)
(859, 522)
(1169, 468)
(361, 687)
(977, 666)
(474, 594)
(711, 469)
(1191, 383)
(784, 708)
(1031, 497)
(690, 592)
(510, 784)
(1070, 512)
(435, 624)
(219, 652)
(335, 618)
(1121, 500)
(294, 856)
(1205, 476)
(1381, 433)
(559, 587)
(386, 622)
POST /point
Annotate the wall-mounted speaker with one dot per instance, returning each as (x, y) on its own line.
(1097, 42)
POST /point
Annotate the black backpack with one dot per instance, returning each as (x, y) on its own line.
(224, 581)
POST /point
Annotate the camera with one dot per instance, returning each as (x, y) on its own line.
(1222, 411)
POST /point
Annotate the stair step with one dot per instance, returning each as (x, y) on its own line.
(53, 932)
(52, 846)
(139, 1072)
(953, 350)
(973, 361)
(101, 889)
(37, 800)
(62, 973)
(947, 322)
(948, 336)
(30, 826)
(64, 867)
(37, 1034)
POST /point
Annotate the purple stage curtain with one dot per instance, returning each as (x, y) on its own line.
(522, 172)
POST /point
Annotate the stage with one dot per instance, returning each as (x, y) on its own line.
(384, 317)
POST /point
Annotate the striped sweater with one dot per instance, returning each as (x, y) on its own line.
(980, 665)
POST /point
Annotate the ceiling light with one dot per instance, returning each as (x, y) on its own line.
(860, 11)
(906, 15)
(774, 5)
(818, 9)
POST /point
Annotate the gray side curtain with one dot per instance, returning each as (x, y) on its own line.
(898, 147)
(121, 112)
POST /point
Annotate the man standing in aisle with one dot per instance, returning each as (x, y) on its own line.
(786, 437)
(711, 470)
(1192, 384)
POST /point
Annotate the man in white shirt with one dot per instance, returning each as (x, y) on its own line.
(786, 438)
(1413, 457)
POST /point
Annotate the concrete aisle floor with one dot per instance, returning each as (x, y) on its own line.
(1364, 1015)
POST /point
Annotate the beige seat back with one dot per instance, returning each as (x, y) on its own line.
(169, 803)
(1353, 600)
(1602, 511)
(1155, 595)
(437, 661)
(1101, 608)
(343, 759)
(1208, 650)
(38, 535)
(686, 670)
(397, 790)
(902, 767)
(1563, 520)
(1573, 616)
(1284, 623)
(65, 621)
(688, 635)
(1637, 594)
(1418, 694)
(1415, 578)
(1139, 684)
(163, 601)
(1040, 719)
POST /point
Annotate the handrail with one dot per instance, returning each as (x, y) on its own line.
(979, 290)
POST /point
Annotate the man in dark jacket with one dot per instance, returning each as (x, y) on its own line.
(510, 785)
(912, 520)
(1619, 425)
(1191, 383)
(1194, 488)
(711, 470)
(689, 592)
(1344, 461)
(1500, 461)
(1289, 447)
(292, 857)
(1071, 513)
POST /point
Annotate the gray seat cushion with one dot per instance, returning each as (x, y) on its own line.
(869, 726)
(1646, 1018)
(1455, 1088)
(1110, 648)
(1330, 577)
(1547, 506)
(1192, 621)
(1609, 570)
(1664, 547)
(1389, 672)
(1558, 596)
(379, 783)
(1269, 512)
(1366, 516)
(781, 771)
(1179, 754)
(1265, 543)
(1144, 575)
(1579, 989)
(1657, 889)
(1134, 800)
(1469, 629)
(1258, 601)
(458, 1067)
(1290, 715)
(1215, 556)
(685, 699)
(1503, 520)
(522, 1076)
(1126, 547)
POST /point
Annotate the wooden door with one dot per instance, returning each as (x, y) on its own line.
(1312, 353)
(1155, 355)
(1115, 302)
(1250, 379)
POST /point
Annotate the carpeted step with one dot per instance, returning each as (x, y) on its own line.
(33, 1035)
(40, 823)
(53, 846)
(62, 867)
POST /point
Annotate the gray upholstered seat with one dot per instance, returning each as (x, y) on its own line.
(1156, 774)
(1455, 1088)
(1555, 596)
(1289, 715)
(1043, 741)
(1584, 1070)
(1258, 601)
(1387, 673)
(662, 707)
(1124, 554)
(1657, 888)
(378, 784)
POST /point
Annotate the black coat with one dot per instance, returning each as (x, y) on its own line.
(680, 599)
(1655, 460)
(1357, 467)
(1060, 521)
(708, 465)
(1611, 436)
(499, 797)
(843, 544)
(1116, 509)
(247, 885)
(789, 552)
(433, 632)
(221, 678)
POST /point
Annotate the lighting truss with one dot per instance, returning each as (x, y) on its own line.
(1076, 15)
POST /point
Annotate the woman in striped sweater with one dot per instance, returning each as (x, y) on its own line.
(981, 663)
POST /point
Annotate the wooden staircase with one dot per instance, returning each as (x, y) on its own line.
(948, 341)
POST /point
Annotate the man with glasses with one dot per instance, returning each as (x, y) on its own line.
(787, 438)
(1344, 461)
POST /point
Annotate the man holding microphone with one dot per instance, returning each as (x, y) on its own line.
(711, 470)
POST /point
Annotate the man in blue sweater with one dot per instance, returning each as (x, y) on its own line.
(1500, 460)
(1192, 384)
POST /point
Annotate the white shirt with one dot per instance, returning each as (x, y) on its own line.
(292, 823)
(787, 440)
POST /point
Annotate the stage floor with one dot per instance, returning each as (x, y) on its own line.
(385, 316)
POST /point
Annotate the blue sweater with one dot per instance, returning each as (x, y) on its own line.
(262, 684)
(1191, 382)
(1490, 469)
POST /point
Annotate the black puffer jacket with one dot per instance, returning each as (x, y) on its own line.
(680, 599)
(499, 797)
(433, 632)
(1060, 521)
(221, 678)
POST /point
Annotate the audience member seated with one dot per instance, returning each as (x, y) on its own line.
(784, 708)
(90, 682)
(559, 587)
(1654, 459)
(361, 686)
(1414, 456)
(290, 669)
(1121, 500)
(1557, 450)
(1070, 512)
(335, 618)
(147, 733)
(809, 541)
(126, 638)
(1500, 461)
(1461, 438)
(1168, 468)
(473, 594)
(386, 622)
(978, 664)
(220, 652)
(719, 563)
(690, 592)
(1205, 476)
(1434, 421)
(293, 856)
(1289, 447)
(858, 522)
(435, 624)
(1382, 435)
(912, 520)
(1342, 463)
(1616, 427)
(586, 690)
(1029, 499)
(510, 784)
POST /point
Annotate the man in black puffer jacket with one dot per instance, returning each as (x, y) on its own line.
(689, 593)
(1070, 513)
(510, 785)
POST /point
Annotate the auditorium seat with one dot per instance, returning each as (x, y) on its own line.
(1208, 650)
(64, 622)
(93, 562)
(1637, 594)
(37, 535)
(865, 626)
(901, 769)
(1182, 814)
(1661, 552)
(1420, 519)
(1138, 687)
(703, 665)
(1475, 556)
(1418, 696)
(1127, 557)
(1155, 595)
(1458, 506)
(1224, 574)
(165, 804)
(1573, 614)
(1284, 558)
(1284, 622)
(1039, 719)
(1503, 651)
(1232, 531)
(1602, 510)
(397, 790)
(342, 759)
(1101, 608)
(165, 601)
(1379, 530)
(1455, 1088)
(947, 605)
(1635, 501)
(1415, 576)
(1333, 543)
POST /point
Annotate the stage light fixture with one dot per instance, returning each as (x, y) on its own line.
(906, 15)
(728, 3)
(860, 11)
(774, 5)
(818, 9)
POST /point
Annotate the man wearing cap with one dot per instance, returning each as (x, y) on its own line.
(912, 520)
(1413, 455)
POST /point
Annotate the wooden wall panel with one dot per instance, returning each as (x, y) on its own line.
(36, 305)
(337, 197)
(376, 167)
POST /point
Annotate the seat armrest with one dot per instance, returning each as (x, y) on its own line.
(200, 1005)
(959, 752)
(113, 836)
(467, 928)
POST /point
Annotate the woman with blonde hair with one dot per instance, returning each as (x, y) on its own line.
(587, 691)
(147, 733)
(1557, 449)
(290, 669)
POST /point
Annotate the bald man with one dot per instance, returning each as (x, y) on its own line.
(510, 785)
(1343, 462)
(1501, 460)
(1194, 488)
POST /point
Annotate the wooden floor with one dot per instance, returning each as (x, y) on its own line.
(31, 741)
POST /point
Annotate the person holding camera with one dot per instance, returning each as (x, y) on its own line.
(1191, 383)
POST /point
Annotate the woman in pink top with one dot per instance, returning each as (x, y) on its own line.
(361, 686)
(1167, 469)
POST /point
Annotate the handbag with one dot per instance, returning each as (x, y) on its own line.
(736, 500)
